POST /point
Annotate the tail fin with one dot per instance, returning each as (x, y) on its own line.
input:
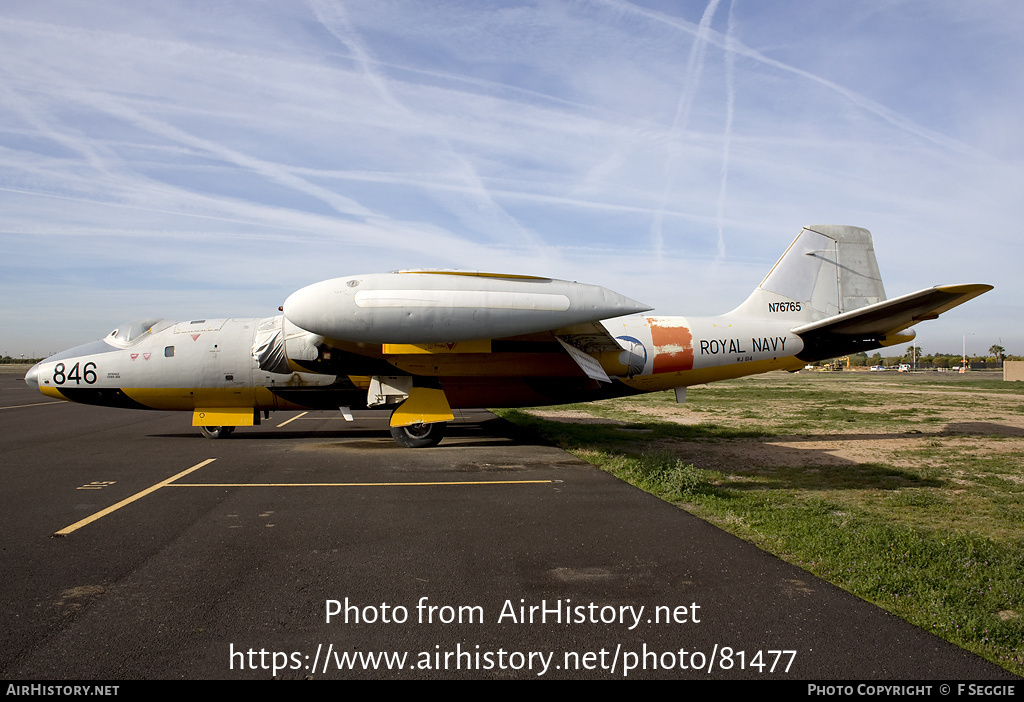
(827, 270)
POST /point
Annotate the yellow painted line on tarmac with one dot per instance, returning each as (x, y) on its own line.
(37, 404)
(128, 500)
(170, 483)
(292, 419)
(459, 482)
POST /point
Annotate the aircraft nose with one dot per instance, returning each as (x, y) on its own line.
(32, 377)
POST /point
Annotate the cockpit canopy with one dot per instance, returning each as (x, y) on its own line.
(130, 332)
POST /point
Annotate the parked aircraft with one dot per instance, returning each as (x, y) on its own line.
(422, 342)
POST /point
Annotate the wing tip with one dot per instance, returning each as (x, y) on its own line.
(977, 288)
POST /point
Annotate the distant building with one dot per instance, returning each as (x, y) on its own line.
(1013, 370)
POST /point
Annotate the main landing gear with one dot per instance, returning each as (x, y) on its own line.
(419, 435)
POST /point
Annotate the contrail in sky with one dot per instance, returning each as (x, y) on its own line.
(730, 89)
(732, 46)
(694, 68)
(481, 211)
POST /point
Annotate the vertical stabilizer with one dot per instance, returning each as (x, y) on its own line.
(827, 270)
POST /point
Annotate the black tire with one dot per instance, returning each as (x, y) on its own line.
(216, 432)
(419, 435)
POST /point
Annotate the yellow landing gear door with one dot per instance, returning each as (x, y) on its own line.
(423, 406)
(223, 417)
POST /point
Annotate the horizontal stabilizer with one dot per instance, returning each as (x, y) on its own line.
(851, 331)
(893, 315)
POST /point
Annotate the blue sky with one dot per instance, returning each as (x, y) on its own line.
(207, 159)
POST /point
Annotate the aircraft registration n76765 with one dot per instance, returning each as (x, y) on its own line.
(419, 343)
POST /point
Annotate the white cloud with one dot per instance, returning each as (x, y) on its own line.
(222, 159)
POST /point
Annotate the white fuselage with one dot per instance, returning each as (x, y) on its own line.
(182, 366)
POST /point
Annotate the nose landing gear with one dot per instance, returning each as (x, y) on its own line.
(216, 432)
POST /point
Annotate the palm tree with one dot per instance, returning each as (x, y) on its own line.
(912, 354)
(998, 351)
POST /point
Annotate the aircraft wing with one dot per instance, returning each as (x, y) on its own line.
(847, 332)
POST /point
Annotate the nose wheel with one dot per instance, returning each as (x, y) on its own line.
(216, 432)
(419, 435)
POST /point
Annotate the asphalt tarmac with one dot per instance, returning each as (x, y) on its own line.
(316, 548)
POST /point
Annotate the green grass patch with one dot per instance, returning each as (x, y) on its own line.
(934, 534)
